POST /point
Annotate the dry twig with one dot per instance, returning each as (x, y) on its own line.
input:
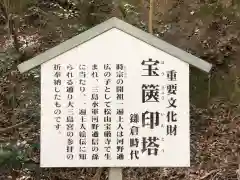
(15, 126)
(150, 17)
(208, 174)
(209, 86)
(98, 174)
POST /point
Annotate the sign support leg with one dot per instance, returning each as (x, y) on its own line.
(115, 174)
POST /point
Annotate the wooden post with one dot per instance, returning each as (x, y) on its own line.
(115, 174)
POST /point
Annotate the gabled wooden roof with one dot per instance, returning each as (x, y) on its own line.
(123, 26)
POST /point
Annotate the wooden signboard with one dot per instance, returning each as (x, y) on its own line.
(115, 96)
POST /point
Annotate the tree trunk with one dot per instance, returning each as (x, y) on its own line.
(116, 11)
(14, 33)
(150, 17)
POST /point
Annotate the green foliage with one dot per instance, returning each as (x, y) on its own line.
(13, 155)
(4, 155)
(10, 158)
(35, 146)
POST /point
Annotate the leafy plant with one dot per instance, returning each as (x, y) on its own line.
(12, 155)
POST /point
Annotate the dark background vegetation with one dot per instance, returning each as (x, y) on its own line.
(208, 29)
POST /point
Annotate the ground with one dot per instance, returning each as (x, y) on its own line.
(208, 29)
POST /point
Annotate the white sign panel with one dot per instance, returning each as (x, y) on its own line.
(115, 101)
